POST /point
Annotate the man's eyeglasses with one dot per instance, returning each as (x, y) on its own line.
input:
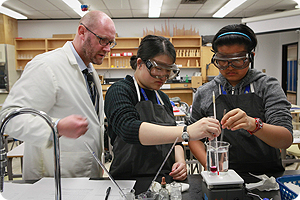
(237, 60)
(161, 70)
(102, 41)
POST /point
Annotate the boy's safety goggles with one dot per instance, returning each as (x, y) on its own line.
(239, 60)
(160, 70)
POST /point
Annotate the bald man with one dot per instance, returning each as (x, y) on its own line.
(54, 82)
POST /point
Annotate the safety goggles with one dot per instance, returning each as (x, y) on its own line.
(239, 60)
(160, 70)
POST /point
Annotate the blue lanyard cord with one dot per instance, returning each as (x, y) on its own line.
(247, 90)
(146, 98)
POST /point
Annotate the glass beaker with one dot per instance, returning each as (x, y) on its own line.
(129, 194)
(217, 156)
(175, 191)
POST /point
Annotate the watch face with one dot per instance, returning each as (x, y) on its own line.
(185, 136)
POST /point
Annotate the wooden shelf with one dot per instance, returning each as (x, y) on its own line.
(124, 45)
(190, 53)
(186, 46)
(28, 48)
(186, 41)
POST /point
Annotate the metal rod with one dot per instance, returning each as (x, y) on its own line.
(57, 175)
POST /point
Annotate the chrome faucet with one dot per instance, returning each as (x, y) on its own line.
(3, 156)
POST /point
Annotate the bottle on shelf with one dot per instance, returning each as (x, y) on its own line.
(163, 192)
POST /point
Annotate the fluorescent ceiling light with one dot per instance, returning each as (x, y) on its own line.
(11, 13)
(76, 6)
(154, 8)
(228, 7)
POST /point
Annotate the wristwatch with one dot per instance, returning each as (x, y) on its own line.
(185, 135)
(259, 124)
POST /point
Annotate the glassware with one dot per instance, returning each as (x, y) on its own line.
(217, 156)
(149, 195)
(129, 193)
(175, 191)
(164, 192)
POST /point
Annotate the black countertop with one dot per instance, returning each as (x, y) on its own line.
(195, 185)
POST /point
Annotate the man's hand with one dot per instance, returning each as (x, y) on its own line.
(72, 126)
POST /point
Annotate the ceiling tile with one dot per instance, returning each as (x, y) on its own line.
(116, 13)
(71, 14)
(140, 13)
(40, 4)
(36, 15)
(117, 4)
(170, 4)
(18, 6)
(189, 6)
(34, 9)
(167, 13)
(186, 13)
(56, 14)
(139, 4)
(94, 4)
(59, 4)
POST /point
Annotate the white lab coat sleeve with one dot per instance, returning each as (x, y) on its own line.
(36, 89)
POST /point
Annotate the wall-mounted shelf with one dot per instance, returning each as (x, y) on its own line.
(28, 48)
(189, 52)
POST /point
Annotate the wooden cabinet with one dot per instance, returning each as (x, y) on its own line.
(8, 29)
(208, 68)
(28, 48)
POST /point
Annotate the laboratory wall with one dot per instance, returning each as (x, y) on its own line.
(273, 33)
(268, 54)
(124, 27)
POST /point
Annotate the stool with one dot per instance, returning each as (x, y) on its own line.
(193, 165)
(17, 152)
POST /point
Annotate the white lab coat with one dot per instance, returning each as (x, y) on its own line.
(53, 82)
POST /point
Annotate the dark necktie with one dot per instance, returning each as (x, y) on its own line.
(93, 89)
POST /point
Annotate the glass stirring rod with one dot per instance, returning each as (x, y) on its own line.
(214, 110)
(215, 139)
(104, 168)
(167, 156)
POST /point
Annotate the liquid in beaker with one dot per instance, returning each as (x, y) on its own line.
(217, 156)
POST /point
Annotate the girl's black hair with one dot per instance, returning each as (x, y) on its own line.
(152, 46)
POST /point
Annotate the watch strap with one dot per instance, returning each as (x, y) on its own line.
(185, 135)
(185, 128)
